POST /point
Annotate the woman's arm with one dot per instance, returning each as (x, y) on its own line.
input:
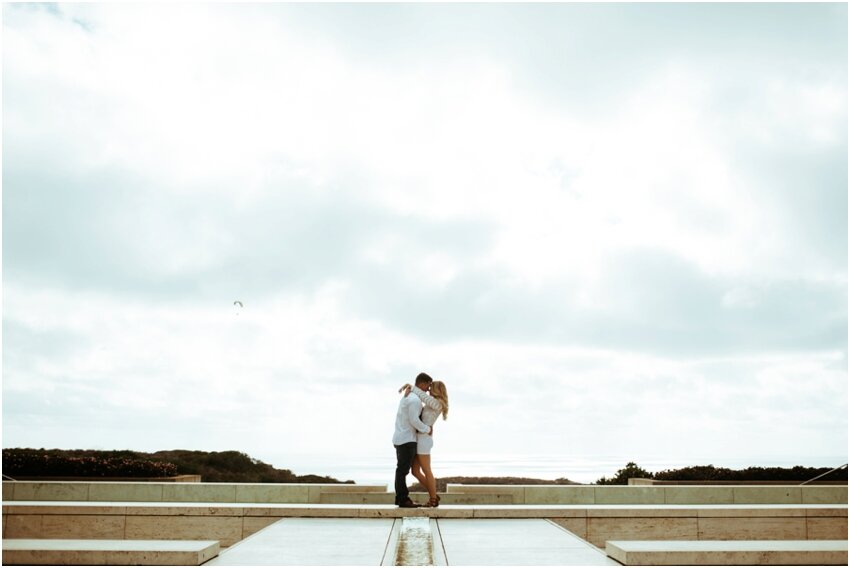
(427, 398)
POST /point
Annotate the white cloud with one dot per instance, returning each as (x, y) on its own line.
(630, 273)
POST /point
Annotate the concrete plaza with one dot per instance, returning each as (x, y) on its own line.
(293, 524)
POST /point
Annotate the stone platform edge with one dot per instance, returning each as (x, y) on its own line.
(230, 523)
(78, 552)
(728, 552)
(663, 494)
(518, 494)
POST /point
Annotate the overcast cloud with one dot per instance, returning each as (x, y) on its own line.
(609, 228)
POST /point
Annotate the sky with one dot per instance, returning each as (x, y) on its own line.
(610, 229)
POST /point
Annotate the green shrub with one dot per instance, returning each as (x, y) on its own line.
(41, 463)
(230, 466)
(622, 476)
(796, 474)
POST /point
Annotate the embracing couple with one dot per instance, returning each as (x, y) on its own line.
(418, 410)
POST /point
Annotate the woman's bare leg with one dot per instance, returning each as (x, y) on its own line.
(417, 472)
(425, 464)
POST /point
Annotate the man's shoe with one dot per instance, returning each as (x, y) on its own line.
(408, 504)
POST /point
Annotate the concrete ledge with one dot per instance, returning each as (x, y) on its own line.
(517, 492)
(373, 498)
(231, 522)
(179, 492)
(666, 494)
(109, 552)
(728, 553)
(474, 494)
(348, 510)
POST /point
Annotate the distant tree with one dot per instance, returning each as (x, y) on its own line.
(229, 466)
(622, 476)
(709, 472)
(47, 463)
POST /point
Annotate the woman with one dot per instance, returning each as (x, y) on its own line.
(436, 403)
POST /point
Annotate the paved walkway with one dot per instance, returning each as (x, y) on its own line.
(372, 542)
(312, 542)
(516, 542)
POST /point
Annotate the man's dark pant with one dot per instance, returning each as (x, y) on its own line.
(404, 461)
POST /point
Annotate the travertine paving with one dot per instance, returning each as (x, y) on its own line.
(729, 553)
(515, 542)
(312, 542)
(369, 542)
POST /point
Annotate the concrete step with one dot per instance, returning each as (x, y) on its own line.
(728, 552)
(178, 492)
(663, 495)
(108, 552)
(389, 498)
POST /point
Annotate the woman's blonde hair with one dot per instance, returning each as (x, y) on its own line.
(438, 391)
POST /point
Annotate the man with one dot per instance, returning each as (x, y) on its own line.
(407, 423)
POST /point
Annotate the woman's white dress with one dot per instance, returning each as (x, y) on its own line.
(430, 413)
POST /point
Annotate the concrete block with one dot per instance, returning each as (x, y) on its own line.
(108, 552)
(702, 553)
(577, 526)
(628, 495)
(22, 526)
(825, 494)
(418, 497)
(766, 494)
(528, 512)
(8, 490)
(51, 491)
(63, 508)
(826, 511)
(744, 511)
(194, 510)
(559, 495)
(642, 511)
(253, 525)
(303, 510)
(383, 512)
(756, 528)
(517, 492)
(199, 493)
(349, 487)
(364, 498)
(600, 530)
(272, 493)
(826, 528)
(226, 530)
(118, 492)
(473, 499)
(698, 495)
(82, 526)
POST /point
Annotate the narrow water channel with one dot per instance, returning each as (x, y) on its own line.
(415, 543)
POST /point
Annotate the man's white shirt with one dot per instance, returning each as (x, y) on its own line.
(407, 421)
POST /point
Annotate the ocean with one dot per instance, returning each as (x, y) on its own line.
(379, 469)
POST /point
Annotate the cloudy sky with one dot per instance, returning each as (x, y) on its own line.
(610, 229)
